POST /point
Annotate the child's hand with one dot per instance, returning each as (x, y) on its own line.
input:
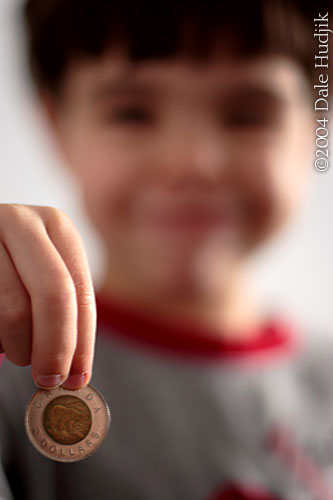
(47, 304)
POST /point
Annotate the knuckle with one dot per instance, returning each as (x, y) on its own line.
(83, 358)
(59, 348)
(57, 218)
(6, 208)
(59, 223)
(56, 355)
(13, 213)
(85, 296)
(56, 362)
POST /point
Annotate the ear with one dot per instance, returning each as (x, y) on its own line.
(48, 104)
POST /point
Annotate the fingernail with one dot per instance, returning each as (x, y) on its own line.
(75, 381)
(48, 381)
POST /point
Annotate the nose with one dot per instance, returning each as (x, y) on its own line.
(193, 154)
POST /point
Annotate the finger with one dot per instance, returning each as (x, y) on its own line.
(68, 242)
(15, 313)
(52, 295)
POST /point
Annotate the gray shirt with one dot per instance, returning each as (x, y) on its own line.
(187, 426)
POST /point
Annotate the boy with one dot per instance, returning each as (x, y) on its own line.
(189, 127)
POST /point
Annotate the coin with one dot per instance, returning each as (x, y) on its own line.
(65, 425)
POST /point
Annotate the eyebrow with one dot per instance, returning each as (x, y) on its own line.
(122, 87)
(125, 85)
(257, 93)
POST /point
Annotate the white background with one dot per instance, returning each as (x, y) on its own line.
(295, 274)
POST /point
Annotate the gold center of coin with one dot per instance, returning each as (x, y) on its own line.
(67, 419)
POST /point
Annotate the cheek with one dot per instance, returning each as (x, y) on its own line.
(272, 178)
(104, 170)
(290, 168)
(109, 180)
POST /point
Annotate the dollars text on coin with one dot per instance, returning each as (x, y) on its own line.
(65, 425)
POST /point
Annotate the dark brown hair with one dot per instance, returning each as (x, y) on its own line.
(58, 31)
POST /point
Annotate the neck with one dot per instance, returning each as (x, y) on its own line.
(229, 308)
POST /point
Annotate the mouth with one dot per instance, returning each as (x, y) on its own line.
(192, 222)
(187, 215)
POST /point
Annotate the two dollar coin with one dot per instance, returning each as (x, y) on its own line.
(67, 426)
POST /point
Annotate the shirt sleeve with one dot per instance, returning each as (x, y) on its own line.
(6, 434)
(14, 391)
(5, 493)
(24, 473)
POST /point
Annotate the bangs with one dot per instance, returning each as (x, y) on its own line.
(62, 30)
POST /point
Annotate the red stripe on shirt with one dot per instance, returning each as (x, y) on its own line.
(241, 492)
(189, 339)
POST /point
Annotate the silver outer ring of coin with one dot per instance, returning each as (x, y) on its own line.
(44, 443)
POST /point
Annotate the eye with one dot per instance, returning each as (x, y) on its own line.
(131, 114)
(249, 118)
(263, 113)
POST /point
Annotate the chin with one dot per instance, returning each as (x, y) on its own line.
(185, 274)
(178, 287)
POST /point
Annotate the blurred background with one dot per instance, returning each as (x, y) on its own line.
(293, 274)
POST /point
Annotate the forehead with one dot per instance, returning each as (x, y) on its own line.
(114, 74)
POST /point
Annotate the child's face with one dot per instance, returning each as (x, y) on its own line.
(180, 162)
